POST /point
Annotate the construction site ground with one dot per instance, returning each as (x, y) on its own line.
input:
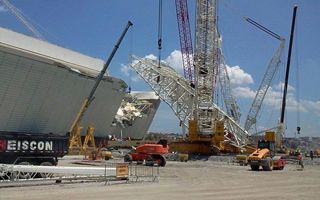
(199, 179)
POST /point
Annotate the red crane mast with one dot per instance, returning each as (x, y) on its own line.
(185, 39)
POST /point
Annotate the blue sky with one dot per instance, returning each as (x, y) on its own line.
(93, 26)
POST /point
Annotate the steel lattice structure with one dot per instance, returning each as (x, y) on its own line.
(229, 100)
(180, 96)
(171, 87)
(185, 39)
(206, 64)
(264, 86)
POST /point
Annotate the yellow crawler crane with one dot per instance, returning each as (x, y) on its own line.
(203, 144)
(210, 130)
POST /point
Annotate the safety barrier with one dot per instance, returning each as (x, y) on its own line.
(14, 175)
(145, 173)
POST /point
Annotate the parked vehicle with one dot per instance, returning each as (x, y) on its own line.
(24, 148)
(149, 154)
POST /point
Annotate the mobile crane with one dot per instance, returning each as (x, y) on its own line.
(75, 135)
(267, 78)
(265, 154)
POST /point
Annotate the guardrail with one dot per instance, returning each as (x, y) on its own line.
(20, 175)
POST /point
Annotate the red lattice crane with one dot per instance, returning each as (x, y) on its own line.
(185, 39)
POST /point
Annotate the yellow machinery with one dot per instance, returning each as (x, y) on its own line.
(242, 159)
(265, 156)
(210, 129)
(75, 144)
(89, 139)
(196, 143)
(183, 157)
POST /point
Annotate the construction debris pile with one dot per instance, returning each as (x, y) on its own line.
(126, 114)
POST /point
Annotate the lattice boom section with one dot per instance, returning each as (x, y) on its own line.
(176, 92)
(170, 86)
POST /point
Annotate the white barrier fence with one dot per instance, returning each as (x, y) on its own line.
(98, 171)
(12, 175)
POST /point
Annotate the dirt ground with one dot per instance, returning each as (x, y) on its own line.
(191, 180)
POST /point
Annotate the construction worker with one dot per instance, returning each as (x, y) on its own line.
(311, 154)
(299, 156)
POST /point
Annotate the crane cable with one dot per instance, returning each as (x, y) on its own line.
(159, 35)
(22, 18)
(130, 58)
(160, 31)
(297, 80)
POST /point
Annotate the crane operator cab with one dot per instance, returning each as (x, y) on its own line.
(265, 144)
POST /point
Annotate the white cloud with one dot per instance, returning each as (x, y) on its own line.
(136, 78)
(175, 61)
(243, 92)
(240, 81)
(238, 77)
(280, 87)
(313, 106)
(3, 9)
(125, 69)
(273, 99)
(151, 56)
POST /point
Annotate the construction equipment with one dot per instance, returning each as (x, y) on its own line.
(32, 148)
(267, 79)
(207, 132)
(75, 135)
(265, 154)
(99, 153)
(284, 99)
(317, 153)
(251, 118)
(224, 80)
(265, 157)
(23, 148)
(89, 139)
(183, 157)
(241, 159)
(149, 154)
(185, 40)
(211, 130)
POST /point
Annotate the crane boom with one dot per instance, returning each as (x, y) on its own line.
(185, 39)
(210, 128)
(229, 100)
(74, 133)
(206, 63)
(18, 14)
(280, 132)
(176, 91)
(267, 79)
